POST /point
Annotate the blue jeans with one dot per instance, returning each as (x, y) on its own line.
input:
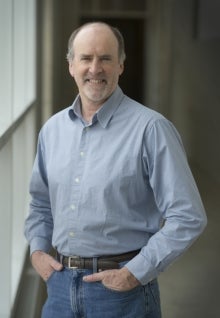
(70, 297)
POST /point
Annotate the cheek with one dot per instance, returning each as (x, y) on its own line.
(78, 72)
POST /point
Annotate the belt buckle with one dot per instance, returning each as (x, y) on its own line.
(70, 258)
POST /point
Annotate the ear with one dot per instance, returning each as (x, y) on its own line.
(121, 68)
(71, 69)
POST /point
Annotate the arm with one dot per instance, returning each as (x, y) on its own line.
(39, 223)
(177, 199)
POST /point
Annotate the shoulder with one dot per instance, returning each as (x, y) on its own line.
(152, 123)
(57, 119)
(140, 112)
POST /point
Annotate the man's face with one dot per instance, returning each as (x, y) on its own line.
(95, 66)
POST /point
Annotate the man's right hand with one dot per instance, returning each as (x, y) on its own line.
(44, 264)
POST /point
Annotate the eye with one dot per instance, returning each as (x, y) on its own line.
(85, 58)
(106, 58)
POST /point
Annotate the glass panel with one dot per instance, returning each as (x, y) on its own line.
(19, 56)
(23, 56)
(5, 65)
(17, 62)
(5, 228)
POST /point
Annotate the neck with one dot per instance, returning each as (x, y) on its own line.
(88, 110)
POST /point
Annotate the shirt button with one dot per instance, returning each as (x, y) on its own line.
(81, 153)
(73, 207)
(71, 234)
(77, 180)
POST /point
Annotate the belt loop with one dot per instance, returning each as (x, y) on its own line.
(59, 257)
(95, 264)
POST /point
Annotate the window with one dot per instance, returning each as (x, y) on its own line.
(17, 63)
(17, 138)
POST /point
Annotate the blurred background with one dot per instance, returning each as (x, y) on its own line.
(172, 66)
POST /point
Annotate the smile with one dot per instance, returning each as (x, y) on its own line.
(96, 81)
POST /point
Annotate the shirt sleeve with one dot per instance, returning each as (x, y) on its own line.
(177, 199)
(39, 223)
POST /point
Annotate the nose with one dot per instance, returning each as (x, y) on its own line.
(95, 66)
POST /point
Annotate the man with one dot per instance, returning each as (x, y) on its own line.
(111, 192)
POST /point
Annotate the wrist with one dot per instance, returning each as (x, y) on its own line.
(36, 254)
(129, 276)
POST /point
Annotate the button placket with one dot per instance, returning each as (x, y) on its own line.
(77, 185)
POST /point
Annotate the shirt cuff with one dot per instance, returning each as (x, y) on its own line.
(40, 244)
(142, 269)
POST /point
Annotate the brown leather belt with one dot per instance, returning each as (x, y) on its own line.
(100, 263)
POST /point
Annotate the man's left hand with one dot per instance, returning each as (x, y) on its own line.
(116, 279)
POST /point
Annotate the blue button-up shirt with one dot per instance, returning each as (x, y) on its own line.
(118, 184)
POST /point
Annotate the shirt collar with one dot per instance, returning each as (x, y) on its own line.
(105, 113)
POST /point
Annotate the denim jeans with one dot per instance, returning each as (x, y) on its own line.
(70, 297)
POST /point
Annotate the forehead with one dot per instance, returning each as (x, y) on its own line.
(98, 38)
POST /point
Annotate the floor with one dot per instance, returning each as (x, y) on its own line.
(190, 288)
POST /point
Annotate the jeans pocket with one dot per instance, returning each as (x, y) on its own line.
(109, 289)
(127, 292)
(154, 290)
(50, 277)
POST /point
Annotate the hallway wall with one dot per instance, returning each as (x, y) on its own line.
(183, 83)
(186, 84)
(195, 85)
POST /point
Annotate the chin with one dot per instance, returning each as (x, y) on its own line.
(98, 98)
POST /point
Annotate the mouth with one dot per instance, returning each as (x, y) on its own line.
(95, 81)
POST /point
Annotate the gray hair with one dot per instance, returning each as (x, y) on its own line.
(115, 31)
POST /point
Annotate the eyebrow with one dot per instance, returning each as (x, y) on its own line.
(100, 56)
(85, 55)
